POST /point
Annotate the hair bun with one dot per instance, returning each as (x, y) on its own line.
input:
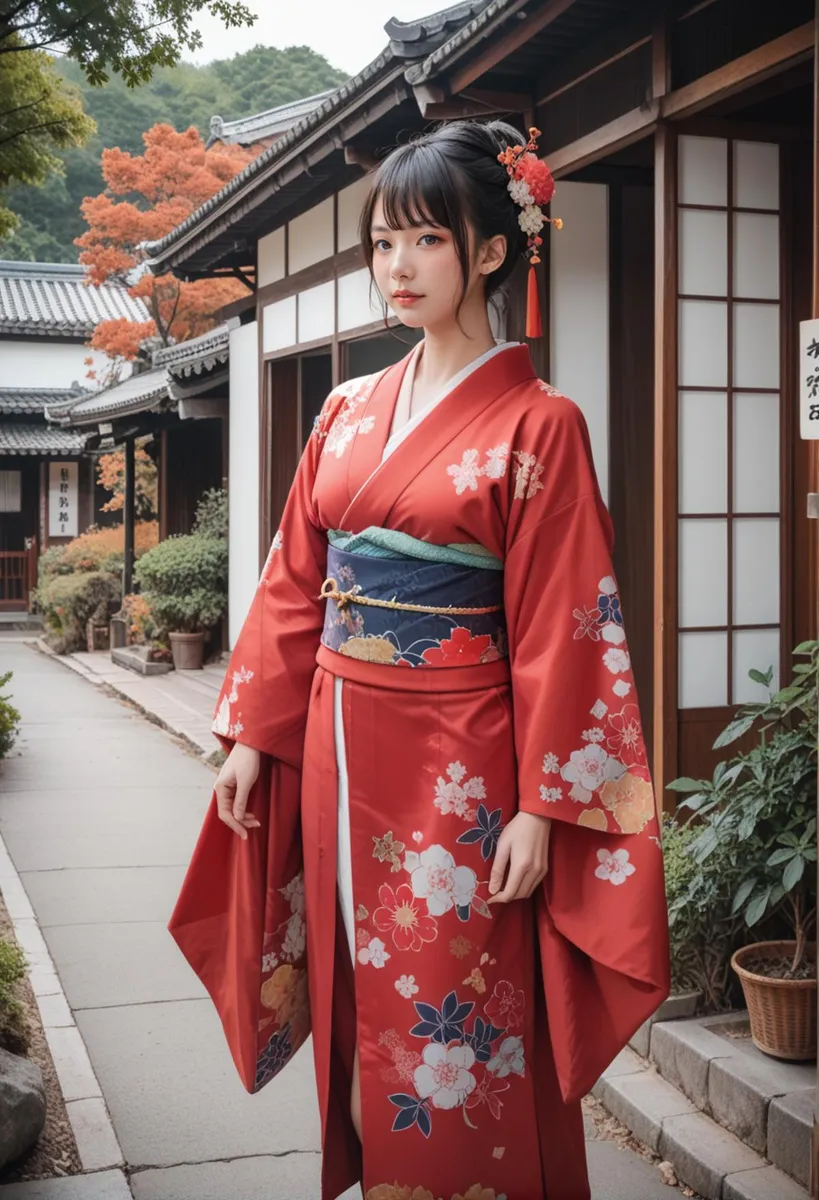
(504, 135)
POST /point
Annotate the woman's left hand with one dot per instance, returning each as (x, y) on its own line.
(524, 846)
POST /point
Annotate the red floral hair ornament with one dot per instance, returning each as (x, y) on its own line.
(531, 186)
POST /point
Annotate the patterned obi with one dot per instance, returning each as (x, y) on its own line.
(399, 636)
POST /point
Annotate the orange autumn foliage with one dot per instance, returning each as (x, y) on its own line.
(146, 197)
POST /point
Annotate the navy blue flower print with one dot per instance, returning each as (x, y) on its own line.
(446, 1025)
(609, 607)
(412, 1111)
(274, 1056)
(481, 1039)
(487, 831)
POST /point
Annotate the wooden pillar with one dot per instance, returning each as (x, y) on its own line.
(162, 485)
(128, 515)
(664, 759)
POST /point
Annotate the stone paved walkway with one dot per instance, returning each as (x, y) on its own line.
(99, 811)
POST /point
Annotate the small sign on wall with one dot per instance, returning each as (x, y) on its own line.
(63, 499)
(809, 379)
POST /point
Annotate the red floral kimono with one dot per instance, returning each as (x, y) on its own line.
(479, 1027)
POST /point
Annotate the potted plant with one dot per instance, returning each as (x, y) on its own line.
(761, 804)
(184, 581)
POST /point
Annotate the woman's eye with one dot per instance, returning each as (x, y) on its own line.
(429, 238)
(381, 244)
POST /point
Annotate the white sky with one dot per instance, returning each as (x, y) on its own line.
(349, 36)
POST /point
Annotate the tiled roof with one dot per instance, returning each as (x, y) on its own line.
(53, 299)
(137, 394)
(198, 354)
(39, 439)
(449, 46)
(34, 400)
(410, 39)
(247, 130)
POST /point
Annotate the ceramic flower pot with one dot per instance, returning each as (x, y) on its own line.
(188, 650)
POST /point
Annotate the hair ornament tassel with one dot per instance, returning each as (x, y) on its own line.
(531, 186)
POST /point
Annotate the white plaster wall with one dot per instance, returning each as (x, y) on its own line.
(580, 310)
(271, 257)
(311, 236)
(243, 484)
(350, 203)
(38, 363)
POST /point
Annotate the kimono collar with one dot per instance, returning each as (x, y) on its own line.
(374, 486)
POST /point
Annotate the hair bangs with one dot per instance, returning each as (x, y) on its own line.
(416, 188)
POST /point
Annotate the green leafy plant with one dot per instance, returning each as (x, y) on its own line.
(9, 718)
(212, 513)
(761, 806)
(68, 602)
(14, 1031)
(184, 580)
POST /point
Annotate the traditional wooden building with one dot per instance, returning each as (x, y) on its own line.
(47, 314)
(682, 136)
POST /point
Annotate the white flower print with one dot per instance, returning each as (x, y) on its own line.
(417, 836)
(496, 461)
(374, 952)
(621, 688)
(441, 883)
(599, 709)
(607, 586)
(548, 388)
(294, 892)
(508, 1059)
(406, 986)
(614, 867)
(222, 722)
(453, 797)
(551, 764)
(550, 795)
(591, 767)
(294, 942)
(593, 735)
(444, 1076)
(527, 475)
(275, 547)
(613, 633)
(617, 661)
(269, 962)
(465, 476)
(345, 425)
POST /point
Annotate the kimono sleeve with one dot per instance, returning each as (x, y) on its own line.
(265, 696)
(582, 762)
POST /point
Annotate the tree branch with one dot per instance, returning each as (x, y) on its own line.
(8, 112)
(31, 129)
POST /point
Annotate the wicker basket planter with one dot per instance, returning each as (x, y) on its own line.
(782, 1012)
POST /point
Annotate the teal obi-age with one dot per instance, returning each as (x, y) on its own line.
(400, 601)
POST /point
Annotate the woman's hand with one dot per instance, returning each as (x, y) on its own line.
(239, 772)
(524, 845)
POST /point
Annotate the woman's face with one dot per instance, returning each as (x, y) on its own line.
(418, 273)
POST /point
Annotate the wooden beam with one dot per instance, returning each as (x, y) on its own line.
(664, 758)
(660, 56)
(497, 101)
(360, 156)
(521, 31)
(631, 127)
(742, 73)
(591, 59)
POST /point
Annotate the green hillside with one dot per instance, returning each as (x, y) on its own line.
(181, 96)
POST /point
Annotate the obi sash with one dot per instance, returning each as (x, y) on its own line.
(467, 624)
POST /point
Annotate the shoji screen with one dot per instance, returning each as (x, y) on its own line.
(729, 418)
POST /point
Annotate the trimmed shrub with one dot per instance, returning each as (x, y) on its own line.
(14, 1031)
(184, 580)
(68, 602)
(212, 514)
(9, 719)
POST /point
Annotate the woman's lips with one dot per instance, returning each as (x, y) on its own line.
(405, 298)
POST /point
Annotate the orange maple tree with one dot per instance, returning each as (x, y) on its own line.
(147, 196)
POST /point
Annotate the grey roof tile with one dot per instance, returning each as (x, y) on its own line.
(137, 394)
(39, 439)
(197, 354)
(52, 298)
(34, 400)
(247, 130)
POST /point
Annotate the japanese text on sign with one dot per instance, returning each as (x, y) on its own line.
(63, 499)
(809, 379)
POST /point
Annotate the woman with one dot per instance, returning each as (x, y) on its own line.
(476, 894)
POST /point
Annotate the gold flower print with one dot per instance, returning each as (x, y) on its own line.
(476, 980)
(388, 850)
(594, 818)
(631, 800)
(460, 946)
(369, 649)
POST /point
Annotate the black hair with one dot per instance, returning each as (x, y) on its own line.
(451, 177)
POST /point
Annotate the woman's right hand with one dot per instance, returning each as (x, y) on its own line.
(239, 772)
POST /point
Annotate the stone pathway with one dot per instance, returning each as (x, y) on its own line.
(99, 811)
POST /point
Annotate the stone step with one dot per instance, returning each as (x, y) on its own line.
(705, 1156)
